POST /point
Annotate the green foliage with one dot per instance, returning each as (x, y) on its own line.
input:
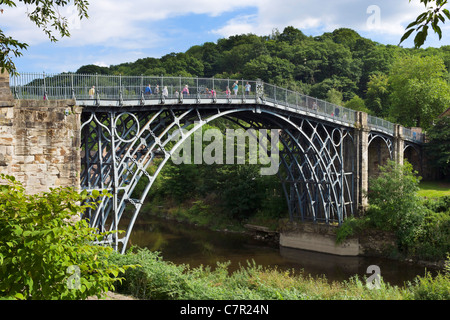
(434, 14)
(378, 94)
(155, 278)
(433, 240)
(44, 252)
(394, 203)
(419, 90)
(422, 226)
(431, 288)
(334, 96)
(357, 103)
(350, 227)
(151, 279)
(393, 195)
(438, 146)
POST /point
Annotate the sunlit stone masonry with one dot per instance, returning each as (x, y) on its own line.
(39, 140)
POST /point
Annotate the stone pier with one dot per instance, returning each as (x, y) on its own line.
(39, 141)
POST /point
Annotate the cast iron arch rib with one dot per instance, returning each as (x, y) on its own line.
(119, 146)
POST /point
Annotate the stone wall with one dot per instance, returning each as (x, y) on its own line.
(39, 141)
(322, 238)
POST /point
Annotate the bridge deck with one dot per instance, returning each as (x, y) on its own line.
(112, 91)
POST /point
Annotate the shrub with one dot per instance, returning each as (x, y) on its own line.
(152, 278)
(44, 253)
(394, 203)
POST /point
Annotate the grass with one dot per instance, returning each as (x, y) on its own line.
(155, 279)
(434, 189)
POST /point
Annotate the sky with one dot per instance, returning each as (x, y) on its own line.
(120, 31)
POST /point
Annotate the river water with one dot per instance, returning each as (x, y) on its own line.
(181, 243)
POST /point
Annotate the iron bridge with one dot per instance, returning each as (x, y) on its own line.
(125, 128)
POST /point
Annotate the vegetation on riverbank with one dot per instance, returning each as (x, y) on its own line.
(155, 278)
(46, 252)
(42, 242)
(422, 226)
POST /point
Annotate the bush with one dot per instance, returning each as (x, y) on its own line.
(157, 279)
(422, 226)
(441, 204)
(394, 204)
(393, 195)
(434, 239)
(152, 278)
(44, 253)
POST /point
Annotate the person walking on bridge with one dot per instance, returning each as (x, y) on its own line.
(92, 92)
(247, 89)
(235, 88)
(148, 90)
(185, 91)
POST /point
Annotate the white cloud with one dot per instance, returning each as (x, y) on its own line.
(240, 25)
(130, 24)
(326, 16)
(119, 31)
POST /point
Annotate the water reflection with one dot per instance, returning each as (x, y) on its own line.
(185, 244)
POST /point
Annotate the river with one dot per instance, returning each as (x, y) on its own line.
(181, 243)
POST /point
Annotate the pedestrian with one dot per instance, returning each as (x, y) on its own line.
(336, 112)
(148, 90)
(157, 89)
(235, 88)
(165, 92)
(185, 91)
(92, 92)
(227, 92)
(247, 89)
(213, 93)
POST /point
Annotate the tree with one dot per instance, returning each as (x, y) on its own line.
(46, 16)
(92, 69)
(438, 147)
(377, 96)
(291, 35)
(419, 90)
(434, 15)
(334, 96)
(356, 103)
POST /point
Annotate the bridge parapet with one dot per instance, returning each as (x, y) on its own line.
(39, 141)
(119, 91)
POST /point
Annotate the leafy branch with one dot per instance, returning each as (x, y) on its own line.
(434, 15)
(45, 15)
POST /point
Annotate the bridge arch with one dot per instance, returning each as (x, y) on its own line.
(314, 180)
(413, 154)
(380, 150)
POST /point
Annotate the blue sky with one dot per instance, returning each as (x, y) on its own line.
(119, 31)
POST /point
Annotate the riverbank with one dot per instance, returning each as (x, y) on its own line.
(380, 243)
(188, 261)
(156, 279)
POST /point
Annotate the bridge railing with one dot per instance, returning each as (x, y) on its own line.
(300, 101)
(117, 87)
(380, 124)
(114, 87)
(411, 135)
